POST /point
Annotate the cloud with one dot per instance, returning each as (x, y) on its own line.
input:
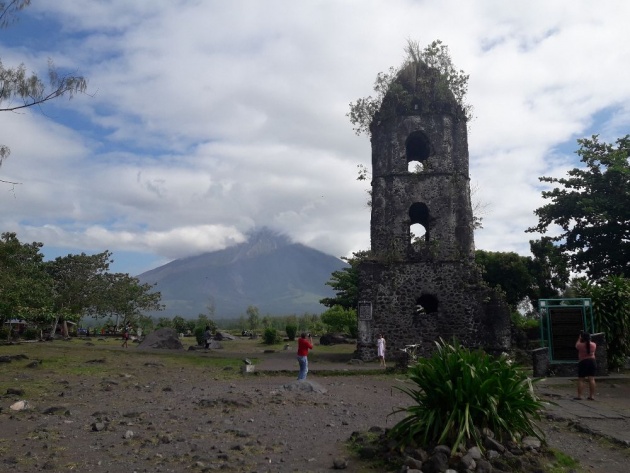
(206, 119)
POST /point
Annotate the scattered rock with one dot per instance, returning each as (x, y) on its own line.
(437, 463)
(20, 406)
(306, 386)
(531, 443)
(98, 426)
(413, 463)
(370, 447)
(56, 410)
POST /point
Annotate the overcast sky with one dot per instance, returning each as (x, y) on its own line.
(205, 119)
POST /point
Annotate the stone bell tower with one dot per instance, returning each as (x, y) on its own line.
(418, 287)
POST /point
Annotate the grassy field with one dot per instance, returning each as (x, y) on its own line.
(105, 358)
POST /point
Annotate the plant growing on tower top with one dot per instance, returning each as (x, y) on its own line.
(427, 73)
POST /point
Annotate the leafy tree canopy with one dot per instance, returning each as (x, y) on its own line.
(345, 282)
(549, 269)
(543, 276)
(78, 282)
(253, 317)
(25, 287)
(592, 208)
(123, 297)
(68, 287)
(339, 319)
(507, 270)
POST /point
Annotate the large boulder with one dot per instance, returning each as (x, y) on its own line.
(162, 338)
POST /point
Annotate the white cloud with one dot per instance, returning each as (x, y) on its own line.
(208, 118)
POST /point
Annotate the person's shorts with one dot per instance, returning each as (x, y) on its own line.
(587, 368)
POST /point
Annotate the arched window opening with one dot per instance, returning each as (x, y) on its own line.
(419, 222)
(417, 233)
(417, 147)
(426, 304)
(415, 167)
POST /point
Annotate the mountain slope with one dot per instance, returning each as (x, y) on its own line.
(268, 271)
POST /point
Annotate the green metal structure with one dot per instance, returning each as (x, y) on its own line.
(561, 322)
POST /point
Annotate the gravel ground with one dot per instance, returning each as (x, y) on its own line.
(162, 420)
(154, 417)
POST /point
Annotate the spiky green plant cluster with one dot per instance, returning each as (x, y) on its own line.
(459, 392)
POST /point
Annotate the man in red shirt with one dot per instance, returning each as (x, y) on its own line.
(304, 345)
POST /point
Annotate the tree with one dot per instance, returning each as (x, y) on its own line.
(9, 9)
(447, 78)
(25, 286)
(78, 284)
(543, 276)
(339, 319)
(549, 269)
(164, 322)
(179, 324)
(592, 209)
(122, 296)
(253, 317)
(345, 282)
(204, 321)
(20, 90)
(508, 271)
(145, 322)
(67, 288)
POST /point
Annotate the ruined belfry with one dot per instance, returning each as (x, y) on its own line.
(417, 287)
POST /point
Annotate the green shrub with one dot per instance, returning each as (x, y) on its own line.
(270, 336)
(522, 322)
(339, 319)
(460, 392)
(4, 334)
(198, 332)
(291, 330)
(30, 334)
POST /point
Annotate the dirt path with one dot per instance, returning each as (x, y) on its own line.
(595, 433)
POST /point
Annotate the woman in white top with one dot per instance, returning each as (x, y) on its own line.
(380, 345)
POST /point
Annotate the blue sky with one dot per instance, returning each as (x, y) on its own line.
(206, 119)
